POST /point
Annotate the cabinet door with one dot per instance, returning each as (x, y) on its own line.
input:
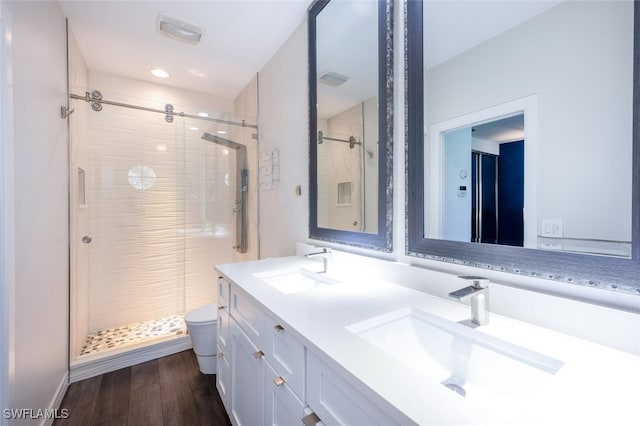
(247, 386)
(281, 406)
(224, 333)
(336, 401)
(223, 364)
(223, 378)
(286, 355)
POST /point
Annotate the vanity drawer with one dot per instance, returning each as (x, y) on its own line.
(249, 315)
(286, 354)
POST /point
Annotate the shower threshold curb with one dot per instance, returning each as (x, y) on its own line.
(90, 366)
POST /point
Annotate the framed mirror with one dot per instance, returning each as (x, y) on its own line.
(351, 122)
(522, 138)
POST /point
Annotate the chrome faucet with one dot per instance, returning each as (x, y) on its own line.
(478, 291)
(325, 257)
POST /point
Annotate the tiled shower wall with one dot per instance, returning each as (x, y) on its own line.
(160, 203)
(337, 163)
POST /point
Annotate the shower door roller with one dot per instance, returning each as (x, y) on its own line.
(87, 239)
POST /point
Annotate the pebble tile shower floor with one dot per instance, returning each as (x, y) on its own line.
(135, 333)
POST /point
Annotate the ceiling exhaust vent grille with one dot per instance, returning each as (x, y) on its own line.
(332, 78)
(178, 29)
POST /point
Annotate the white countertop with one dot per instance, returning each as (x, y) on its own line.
(596, 386)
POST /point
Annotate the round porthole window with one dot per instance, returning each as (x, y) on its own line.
(142, 177)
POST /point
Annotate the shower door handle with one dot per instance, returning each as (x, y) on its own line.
(87, 239)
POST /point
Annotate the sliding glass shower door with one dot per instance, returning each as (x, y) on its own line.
(156, 207)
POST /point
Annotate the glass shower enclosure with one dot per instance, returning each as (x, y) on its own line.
(157, 201)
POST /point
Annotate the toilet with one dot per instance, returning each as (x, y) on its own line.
(201, 324)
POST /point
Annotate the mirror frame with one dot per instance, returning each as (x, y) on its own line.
(588, 270)
(382, 240)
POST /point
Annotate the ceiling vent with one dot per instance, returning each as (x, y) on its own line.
(179, 29)
(332, 78)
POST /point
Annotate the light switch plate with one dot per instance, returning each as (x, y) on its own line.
(552, 228)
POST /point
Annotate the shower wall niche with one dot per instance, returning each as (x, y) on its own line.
(156, 209)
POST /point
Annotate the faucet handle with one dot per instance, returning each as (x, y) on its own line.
(477, 282)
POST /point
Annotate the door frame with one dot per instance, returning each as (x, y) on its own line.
(434, 152)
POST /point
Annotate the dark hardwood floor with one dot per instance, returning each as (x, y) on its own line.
(169, 391)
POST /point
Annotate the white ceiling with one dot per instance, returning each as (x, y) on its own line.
(240, 36)
(452, 26)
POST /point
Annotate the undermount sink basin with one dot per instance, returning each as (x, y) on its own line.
(295, 280)
(474, 364)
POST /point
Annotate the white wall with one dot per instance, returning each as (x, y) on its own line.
(7, 261)
(456, 215)
(40, 177)
(284, 125)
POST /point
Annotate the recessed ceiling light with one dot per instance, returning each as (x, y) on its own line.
(160, 73)
(222, 132)
(203, 114)
(193, 128)
(161, 147)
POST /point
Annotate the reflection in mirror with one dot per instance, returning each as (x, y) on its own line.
(484, 165)
(350, 59)
(530, 61)
(520, 133)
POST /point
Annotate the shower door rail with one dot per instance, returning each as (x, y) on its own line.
(95, 99)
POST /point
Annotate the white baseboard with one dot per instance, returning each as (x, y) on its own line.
(57, 398)
(90, 366)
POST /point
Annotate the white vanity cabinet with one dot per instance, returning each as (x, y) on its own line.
(336, 402)
(267, 377)
(261, 368)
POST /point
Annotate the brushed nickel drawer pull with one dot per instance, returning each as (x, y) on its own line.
(258, 354)
(278, 328)
(279, 381)
(311, 419)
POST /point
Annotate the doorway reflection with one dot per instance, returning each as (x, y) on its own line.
(483, 173)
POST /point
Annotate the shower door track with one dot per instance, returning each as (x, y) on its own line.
(95, 98)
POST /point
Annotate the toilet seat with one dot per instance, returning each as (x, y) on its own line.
(207, 314)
